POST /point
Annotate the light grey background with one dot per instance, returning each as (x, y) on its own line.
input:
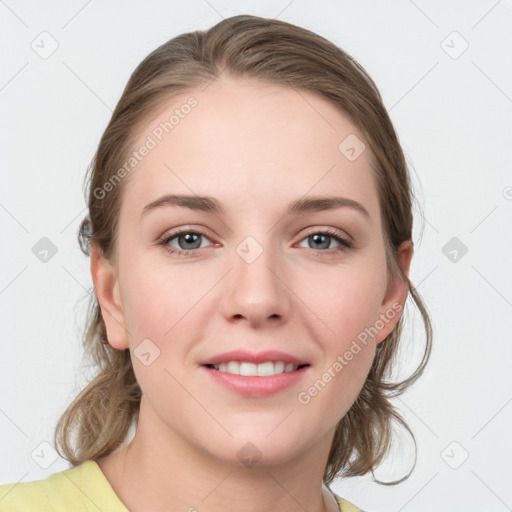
(452, 109)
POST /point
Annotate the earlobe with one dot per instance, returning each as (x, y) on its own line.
(396, 294)
(106, 285)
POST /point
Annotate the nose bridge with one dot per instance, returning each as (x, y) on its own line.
(255, 290)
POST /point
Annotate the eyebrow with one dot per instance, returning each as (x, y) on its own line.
(212, 205)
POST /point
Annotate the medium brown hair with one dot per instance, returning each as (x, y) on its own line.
(274, 52)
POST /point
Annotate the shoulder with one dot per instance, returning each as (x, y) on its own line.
(24, 496)
(346, 506)
(57, 490)
(71, 489)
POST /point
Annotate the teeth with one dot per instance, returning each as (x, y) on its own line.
(249, 369)
(279, 367)
(265, 369)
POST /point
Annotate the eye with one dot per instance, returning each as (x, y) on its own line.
(188, 242)
(322, 240)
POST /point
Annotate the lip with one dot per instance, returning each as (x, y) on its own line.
(255, 387)
(254, 357)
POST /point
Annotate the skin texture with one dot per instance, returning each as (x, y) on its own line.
(255, 147)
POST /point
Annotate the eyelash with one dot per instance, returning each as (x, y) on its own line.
(345, 244)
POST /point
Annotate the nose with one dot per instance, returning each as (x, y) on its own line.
(255, 290)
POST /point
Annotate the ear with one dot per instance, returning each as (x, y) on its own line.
(106, 284)
(396, 293)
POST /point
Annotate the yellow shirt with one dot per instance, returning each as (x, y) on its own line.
(83, 488)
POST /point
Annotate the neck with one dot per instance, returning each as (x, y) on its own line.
(161, 473)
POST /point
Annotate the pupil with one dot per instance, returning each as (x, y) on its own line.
(325, 244)
(189, 238)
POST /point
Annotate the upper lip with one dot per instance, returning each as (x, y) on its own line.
(254, 357)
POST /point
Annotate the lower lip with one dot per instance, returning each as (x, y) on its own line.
(256, 386)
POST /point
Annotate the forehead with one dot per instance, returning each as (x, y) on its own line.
(244, 140)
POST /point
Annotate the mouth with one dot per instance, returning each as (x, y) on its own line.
(255, 374)
(255, 380)
(249, 369)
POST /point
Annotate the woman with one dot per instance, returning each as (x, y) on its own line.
(250, 232)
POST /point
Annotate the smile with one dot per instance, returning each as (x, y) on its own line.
(250, 380)
(247, 369)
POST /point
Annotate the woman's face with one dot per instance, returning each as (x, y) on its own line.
(256, 275)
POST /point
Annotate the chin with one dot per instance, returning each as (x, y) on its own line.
(255, 450)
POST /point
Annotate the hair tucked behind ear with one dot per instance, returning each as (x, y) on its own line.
(275, 52)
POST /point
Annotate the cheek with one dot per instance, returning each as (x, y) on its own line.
(156, 297)
(164, 306)
(148, 311)
(350, 309)
(350, 302)
(156, 318)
